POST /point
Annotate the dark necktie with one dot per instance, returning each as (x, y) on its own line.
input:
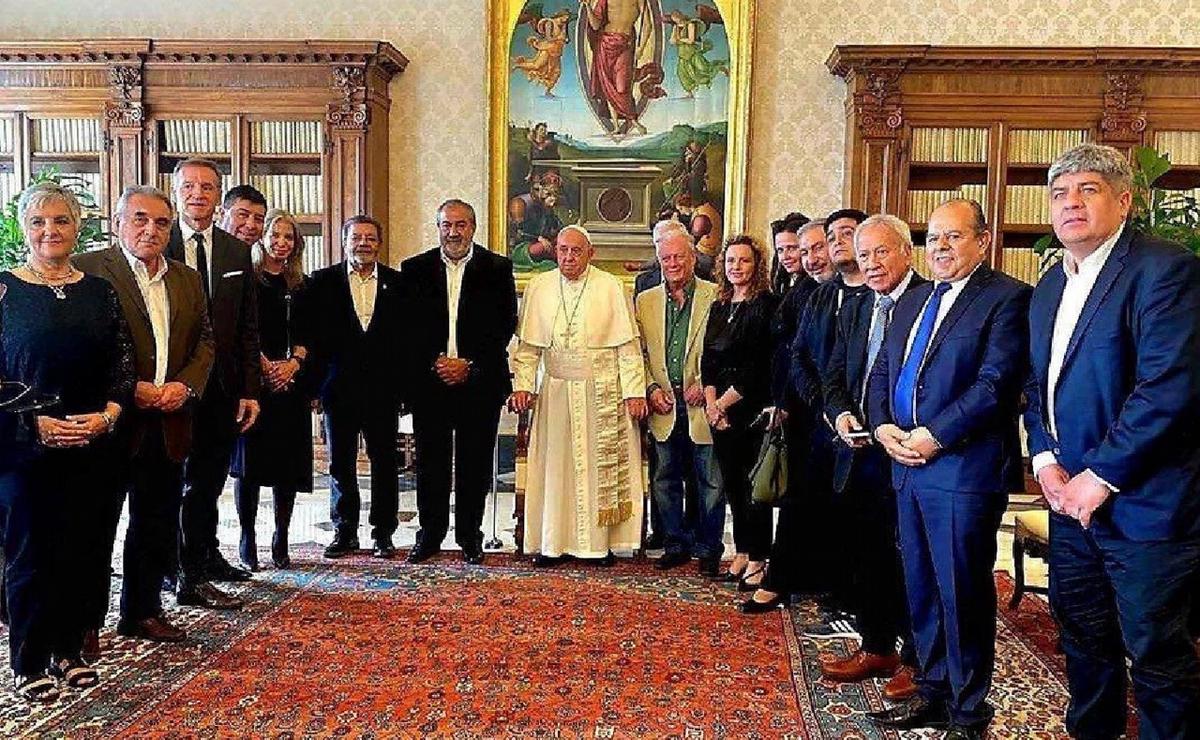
(905, 398)
(883, 308)
(202, 264)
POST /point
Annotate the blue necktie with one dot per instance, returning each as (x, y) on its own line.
(905, 397)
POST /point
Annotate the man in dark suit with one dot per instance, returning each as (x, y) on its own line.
(862, 473)
(164, 304)
(228, 406)
(1115, 346)
(467, 300)
(944, 404)
(357, 340)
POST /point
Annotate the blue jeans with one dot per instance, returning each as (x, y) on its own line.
(673, 455)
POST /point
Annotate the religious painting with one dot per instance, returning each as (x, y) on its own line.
(614, 114)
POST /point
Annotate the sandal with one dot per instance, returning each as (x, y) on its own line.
(38, 689)
(75, 673)
(744, 584)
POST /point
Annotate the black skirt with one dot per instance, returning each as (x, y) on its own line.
(278, 449)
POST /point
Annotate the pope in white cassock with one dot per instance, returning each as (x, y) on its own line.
(583, 491)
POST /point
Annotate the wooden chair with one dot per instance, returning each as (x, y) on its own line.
(1031, 536)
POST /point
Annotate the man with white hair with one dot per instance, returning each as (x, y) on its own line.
(671, 318)
(583, 494)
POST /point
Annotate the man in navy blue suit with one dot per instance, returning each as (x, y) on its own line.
(944, 405)
(1113, 403)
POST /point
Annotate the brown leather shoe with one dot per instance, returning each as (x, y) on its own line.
(205, 595)
(860, 666)
(901, 686)
(157, 629)
(91, 646)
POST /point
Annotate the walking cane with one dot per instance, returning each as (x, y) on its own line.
(494, 543)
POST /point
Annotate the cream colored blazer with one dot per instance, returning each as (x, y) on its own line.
(651, 309)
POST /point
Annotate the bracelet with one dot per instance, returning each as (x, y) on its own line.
(109, 421)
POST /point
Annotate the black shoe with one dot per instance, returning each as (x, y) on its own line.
(750, 606)
(654, 541)
(963, 732)
(384, 548)
(915, 713)
(205, 595)
(341, 546)
(220, 569)
(473, 556)
(708, 567)
(672, 560)
(607, 561)
(420, 553)
(545, 561)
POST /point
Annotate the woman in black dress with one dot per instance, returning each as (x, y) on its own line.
(63, 335)
(736, 367)
(277, 451)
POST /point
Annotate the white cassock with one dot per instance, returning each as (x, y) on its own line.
(583, 489)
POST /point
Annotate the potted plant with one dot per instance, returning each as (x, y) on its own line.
(91, 228)
(1167, 214)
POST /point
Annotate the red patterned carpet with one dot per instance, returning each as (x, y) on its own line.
(360, 648)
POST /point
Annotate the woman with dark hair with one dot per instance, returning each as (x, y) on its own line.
(62, 335)
(277, 451)
(736, 368)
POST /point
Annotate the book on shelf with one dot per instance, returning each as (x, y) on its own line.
(1042, 146)
(297, 194)
(1022, 263)
(314, 254)
(195, 136)
(950, 145)
(8, 142)
(1182, 146)
(10, 187)
(285, 137)
(1026, 204)
(921, 203)
(166, 184)
(67, 136)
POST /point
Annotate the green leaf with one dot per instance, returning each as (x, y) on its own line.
(1151, 163)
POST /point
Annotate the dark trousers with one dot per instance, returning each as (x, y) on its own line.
(1113, 597)
(456, 438)
(155, 490)
(97, 541)
(948, 545)
(204, 474)
(681, 460)
(343, 424)
(878, 600)
(736, 451)
(804, 556)
(245, 499)
(46, 510)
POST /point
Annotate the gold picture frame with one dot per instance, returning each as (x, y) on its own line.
(503, 15)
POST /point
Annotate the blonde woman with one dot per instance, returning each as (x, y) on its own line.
(277, 451)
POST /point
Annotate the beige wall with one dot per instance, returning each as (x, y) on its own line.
(439, 114)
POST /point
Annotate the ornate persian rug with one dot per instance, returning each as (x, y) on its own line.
(370, 649)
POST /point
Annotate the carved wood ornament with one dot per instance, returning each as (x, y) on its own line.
(1124, 120)
(352, 112)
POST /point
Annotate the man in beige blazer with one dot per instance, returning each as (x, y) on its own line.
(671, 318)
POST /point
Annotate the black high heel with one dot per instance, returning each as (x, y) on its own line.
(750, 606)
(746, 587)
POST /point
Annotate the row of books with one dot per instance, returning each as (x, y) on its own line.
(67, 135)
(1194, 194)
(922, 202)
(10, 187)
(285, 137)
(1042, 146)
(1183, 146)
(314, 254)
(1020, 262)
(949, 145)
(1026, 204)
(181, 136)
(8, 143)
(296, 193)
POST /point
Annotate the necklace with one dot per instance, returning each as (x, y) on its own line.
(562, 296)
(55, 284)
(734, 306)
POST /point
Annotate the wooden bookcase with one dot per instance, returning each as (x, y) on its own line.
(304, 121)
(927, 123)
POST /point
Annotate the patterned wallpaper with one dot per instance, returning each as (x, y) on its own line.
(439, 113)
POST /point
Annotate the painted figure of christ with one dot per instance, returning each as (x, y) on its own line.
(612, 36)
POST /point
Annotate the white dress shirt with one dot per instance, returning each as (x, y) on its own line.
(158, 305)
(1081, 278)
(363, 291)
(454, 278)
(189, 249)
(948, 299)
